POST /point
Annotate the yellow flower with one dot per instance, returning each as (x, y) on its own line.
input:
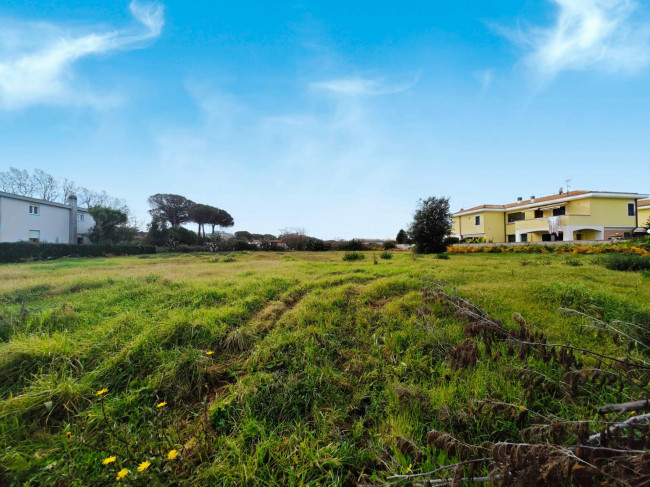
(209, 353)
(68, 434)
(632, 413)
(101, 392)
(144, 466)
(109, 460)
(122, 473)
(161, 404)
(172, 454)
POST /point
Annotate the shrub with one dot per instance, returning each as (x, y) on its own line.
(181, 235)
(442, 256)
(626, 262)
(386, 255)
(21, 251)
(451, 241)
(353, 256)
(572, 261)
(352, 245)
(389, 244)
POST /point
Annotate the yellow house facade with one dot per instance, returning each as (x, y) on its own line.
(577, 215)
(644, 213)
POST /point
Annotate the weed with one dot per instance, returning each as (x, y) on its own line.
(442, 256)
(354, 255)
(386, 255)
(573, 262)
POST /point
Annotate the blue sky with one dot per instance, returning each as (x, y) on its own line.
(332, 116)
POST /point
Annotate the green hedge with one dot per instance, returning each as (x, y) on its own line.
(21, 251)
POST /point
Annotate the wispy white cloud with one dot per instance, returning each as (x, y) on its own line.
(484, 77)
(357, 86)
(37, 59)
(608, 35)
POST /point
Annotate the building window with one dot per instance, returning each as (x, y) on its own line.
(524, 237)
(35, 236)
(631, 210)
(511, 238)
(477, 220)
(559, 211)
(539, 214)
(80, 217)
(515, 217)
(34, 210)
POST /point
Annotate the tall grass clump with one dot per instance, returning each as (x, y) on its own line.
(386, 255)
(354, 255)
(626, 262)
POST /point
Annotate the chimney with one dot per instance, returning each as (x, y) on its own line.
(519, 198)
(532, 199)
(72, 202)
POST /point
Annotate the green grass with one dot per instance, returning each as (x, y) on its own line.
(276, 368)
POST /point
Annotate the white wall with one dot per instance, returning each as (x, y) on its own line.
(52, 221)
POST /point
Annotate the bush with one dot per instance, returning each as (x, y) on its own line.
(21, 251)
(353, 256)
(451, 241)
(442, 256)
(352, 245)
(386, 255)
(390, 244)
(181, 235)
(572, 261)
(316, 245)
(626, 262)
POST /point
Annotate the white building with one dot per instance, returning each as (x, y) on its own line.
(31, 219)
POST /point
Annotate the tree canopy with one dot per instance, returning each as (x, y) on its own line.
(402, 237)
(431, 224)
(108, 225)
(173, 208)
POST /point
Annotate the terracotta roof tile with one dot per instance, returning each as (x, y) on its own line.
(543, 199)
(643, 203)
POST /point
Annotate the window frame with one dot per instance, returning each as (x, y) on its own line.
(34, 239)
(81, 217)
(540, 212)
(561, 211)
(35, 210)
(631, 206)
(477, 220)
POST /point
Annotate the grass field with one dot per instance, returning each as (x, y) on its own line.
(277, 368)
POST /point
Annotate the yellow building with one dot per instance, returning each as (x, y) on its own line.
(644, 213)
(577, 215)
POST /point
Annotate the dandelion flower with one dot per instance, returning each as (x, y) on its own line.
(101, 392)
(68, 434)
(209, 353)
(172, 454)
(144, 466)
(109, 460)
(161, 404)
(121, 474)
